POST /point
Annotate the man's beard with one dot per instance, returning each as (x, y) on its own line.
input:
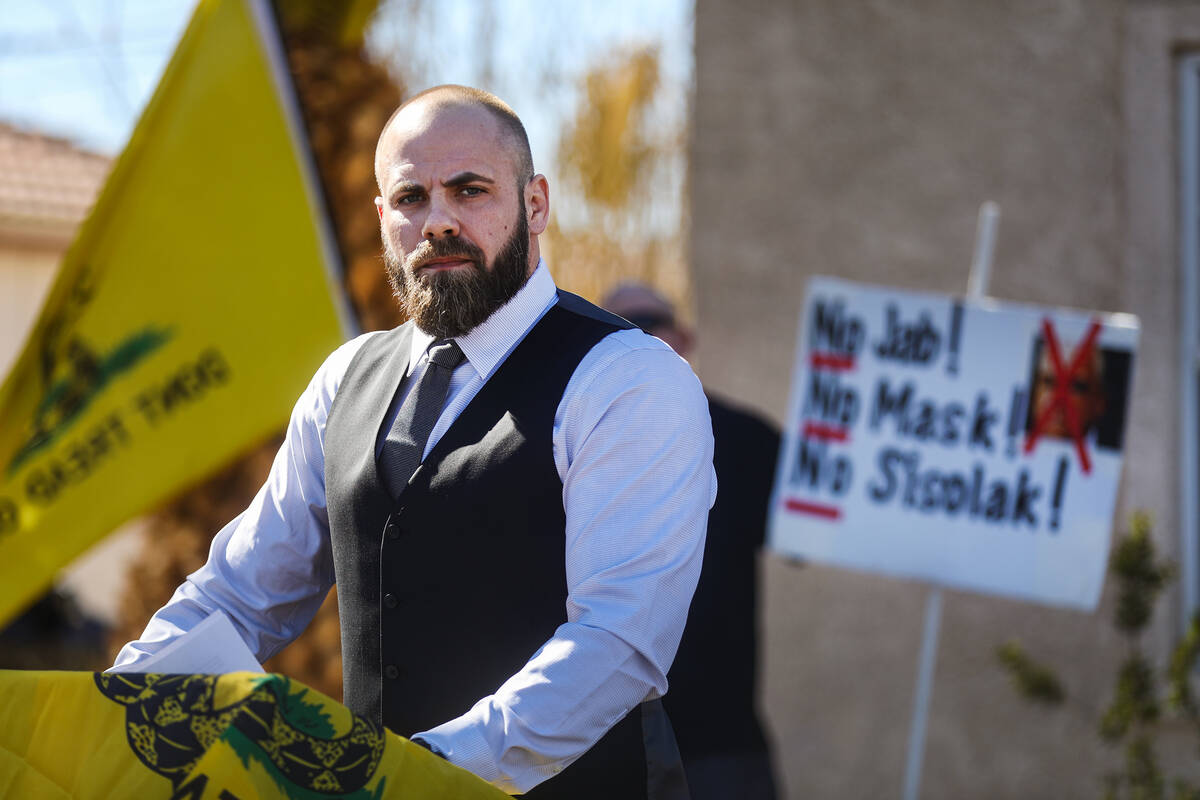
(451, 303)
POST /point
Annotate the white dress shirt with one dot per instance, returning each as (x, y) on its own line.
(633, 446)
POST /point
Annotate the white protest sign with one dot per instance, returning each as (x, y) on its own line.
(975, 445)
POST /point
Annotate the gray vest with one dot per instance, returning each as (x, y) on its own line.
(447, 590)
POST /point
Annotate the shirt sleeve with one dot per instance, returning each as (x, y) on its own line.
(633, 443)
(271, 567)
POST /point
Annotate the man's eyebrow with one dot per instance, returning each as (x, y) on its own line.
(463, 178)
(405, 187)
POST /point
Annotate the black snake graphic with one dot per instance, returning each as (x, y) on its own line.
(170, 720)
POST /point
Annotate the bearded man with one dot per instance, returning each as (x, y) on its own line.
(510, 490)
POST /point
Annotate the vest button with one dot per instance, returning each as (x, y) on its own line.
(391, 672)
(390, 600)
(393, 531)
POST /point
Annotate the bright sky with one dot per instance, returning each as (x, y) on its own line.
(83, 69)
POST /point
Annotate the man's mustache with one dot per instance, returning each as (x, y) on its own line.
(432, 249)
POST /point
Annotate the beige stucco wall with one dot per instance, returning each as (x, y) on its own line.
(858, 139)
(25, 276)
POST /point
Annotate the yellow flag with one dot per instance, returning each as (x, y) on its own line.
(82, 735)
(187, 316)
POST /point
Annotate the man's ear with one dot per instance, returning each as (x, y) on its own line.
(379, 207)
(537, 203)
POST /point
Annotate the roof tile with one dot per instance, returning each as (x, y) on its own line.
(46, 183)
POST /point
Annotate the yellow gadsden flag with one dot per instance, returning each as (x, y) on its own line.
(82, 735)
(187, 316)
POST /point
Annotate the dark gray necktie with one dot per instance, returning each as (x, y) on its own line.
(405, 443)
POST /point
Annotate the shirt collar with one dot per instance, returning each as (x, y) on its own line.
(489, 343)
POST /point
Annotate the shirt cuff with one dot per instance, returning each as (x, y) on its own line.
(420, 740)
(463, 741)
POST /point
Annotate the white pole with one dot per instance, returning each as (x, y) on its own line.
(916, 737)
(977, 286)
(1190, 246)
(985, 244)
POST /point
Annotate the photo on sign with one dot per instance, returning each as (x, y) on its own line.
(1097, 393)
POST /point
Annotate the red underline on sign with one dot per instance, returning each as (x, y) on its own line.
(815, 509)
(826, 433)
(832, 362)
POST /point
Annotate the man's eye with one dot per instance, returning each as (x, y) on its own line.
(471, 191)
(406, 200)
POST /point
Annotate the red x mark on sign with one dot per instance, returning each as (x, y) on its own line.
(1062, 389)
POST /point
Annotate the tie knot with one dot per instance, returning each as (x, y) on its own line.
(446, 353)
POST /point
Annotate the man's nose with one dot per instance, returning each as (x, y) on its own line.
(441, 221)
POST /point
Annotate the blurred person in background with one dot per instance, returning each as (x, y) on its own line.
(713, 682)
(53, 633)
(511, 491)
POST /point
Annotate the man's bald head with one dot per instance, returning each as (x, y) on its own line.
(452, 96)
(651, 311)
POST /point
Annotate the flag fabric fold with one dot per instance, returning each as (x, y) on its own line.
(82, 735)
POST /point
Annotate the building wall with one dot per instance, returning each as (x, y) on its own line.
(25, 276)
(858, 140)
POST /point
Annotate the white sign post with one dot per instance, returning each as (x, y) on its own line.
(977, 287)
(970, 444)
